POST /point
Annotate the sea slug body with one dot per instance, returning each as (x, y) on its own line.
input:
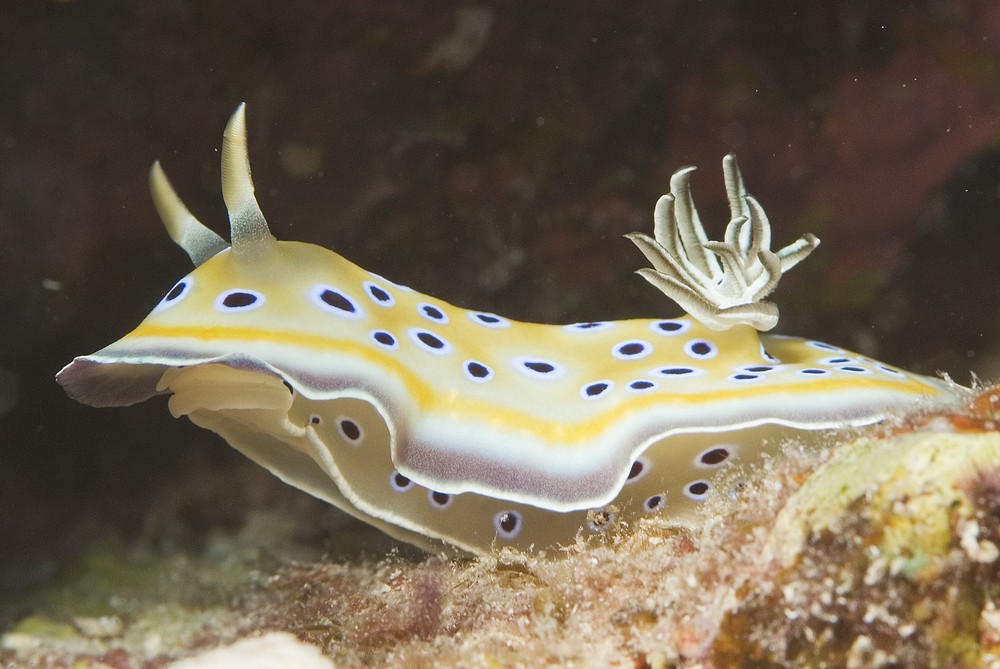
(448, 426)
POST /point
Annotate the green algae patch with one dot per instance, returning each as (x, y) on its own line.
(908, 487)
(108, 579)
(115, 600)
(43, 628)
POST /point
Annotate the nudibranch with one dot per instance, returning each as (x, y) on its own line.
(442, 425)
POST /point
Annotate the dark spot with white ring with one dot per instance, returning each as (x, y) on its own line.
(823, 346)
(855, 370)
(399, 482)
(176, 291)
(384, 339)
(538, 369)
(632, 350)
(641, 385)
(242, 299)
(713, 457)
(637, 470)
(835, 361)
(758, 369)
(507, 524)
(654, 503)
(594, 390)
(440, 500)
(701, 349)
(337, 301)
(349, 429)
(489, 320)
(812, 371)
(379, 295)
(174, 295)
(429, 341)
(743, 376)
(697, 490)
(670, 328)
(238, 300)
(334, 301)
(477, 371)
(432, 313)
(675, 371)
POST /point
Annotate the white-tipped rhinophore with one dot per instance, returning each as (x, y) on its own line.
(248, 229)
(188, 232)
(722, 284)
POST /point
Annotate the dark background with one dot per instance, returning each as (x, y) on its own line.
(501, 176)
